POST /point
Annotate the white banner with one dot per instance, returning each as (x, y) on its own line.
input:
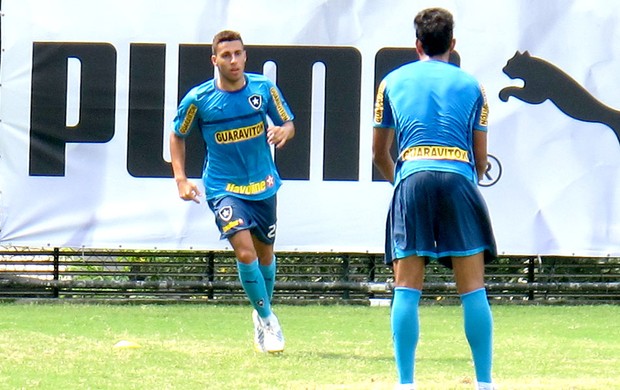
(88, 92)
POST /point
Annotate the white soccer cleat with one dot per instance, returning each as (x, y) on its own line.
(259, 333)
(273, 338)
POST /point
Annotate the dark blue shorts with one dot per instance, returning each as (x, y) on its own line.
(438, 215)
(235, 214)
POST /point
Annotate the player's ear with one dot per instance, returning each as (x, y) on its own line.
(418, 47)
(452, 44)
(213, 58)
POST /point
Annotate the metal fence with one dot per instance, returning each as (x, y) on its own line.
(192, 276)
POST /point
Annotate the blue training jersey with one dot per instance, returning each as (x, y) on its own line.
(433, 107)
(234, 126)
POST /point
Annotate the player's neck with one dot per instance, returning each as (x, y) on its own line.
(230, 85)
(445, 57)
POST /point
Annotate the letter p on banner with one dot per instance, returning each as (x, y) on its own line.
(49, 132)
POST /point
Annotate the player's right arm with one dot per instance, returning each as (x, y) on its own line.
(480, 153)
(183, 124)
(187, 189)
(480, 135)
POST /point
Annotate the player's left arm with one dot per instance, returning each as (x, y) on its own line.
(278, 110)
(383, 134)
(382, 139)
(280, 135)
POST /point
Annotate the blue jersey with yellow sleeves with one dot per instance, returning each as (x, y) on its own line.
(233, 126)
(433, 107)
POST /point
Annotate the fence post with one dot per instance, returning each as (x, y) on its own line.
(530, 278)
(211, 272)
(56, 272)
(372, 272)
(345, 275)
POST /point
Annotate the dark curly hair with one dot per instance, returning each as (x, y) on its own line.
(434, 28)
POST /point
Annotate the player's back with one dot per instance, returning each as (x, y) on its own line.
(434, 103)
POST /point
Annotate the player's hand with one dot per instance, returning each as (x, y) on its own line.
(188, 190)
(279, 135)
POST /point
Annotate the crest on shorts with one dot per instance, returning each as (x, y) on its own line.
(225, 213)
(256, 101)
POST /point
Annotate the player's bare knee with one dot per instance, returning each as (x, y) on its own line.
(245, 255)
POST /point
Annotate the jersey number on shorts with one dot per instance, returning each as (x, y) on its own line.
(272, 231)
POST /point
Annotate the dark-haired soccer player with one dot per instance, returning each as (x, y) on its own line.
(240, 176)
(438, 115)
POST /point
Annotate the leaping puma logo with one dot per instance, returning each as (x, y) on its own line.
(543, 81)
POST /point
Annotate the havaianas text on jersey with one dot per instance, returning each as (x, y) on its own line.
(252, 188)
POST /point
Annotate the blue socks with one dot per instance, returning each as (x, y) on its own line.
(253, 284)
(479, 332)
(478, 323)
(405, 330)
(269, 274)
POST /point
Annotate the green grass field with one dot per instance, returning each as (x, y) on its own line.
(63, 346)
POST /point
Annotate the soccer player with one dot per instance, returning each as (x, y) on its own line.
(438, 115)
(240, 176)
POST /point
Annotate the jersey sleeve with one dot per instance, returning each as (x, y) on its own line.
(482, 112)
(278, 109)
(186, 118)
(383, 114)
